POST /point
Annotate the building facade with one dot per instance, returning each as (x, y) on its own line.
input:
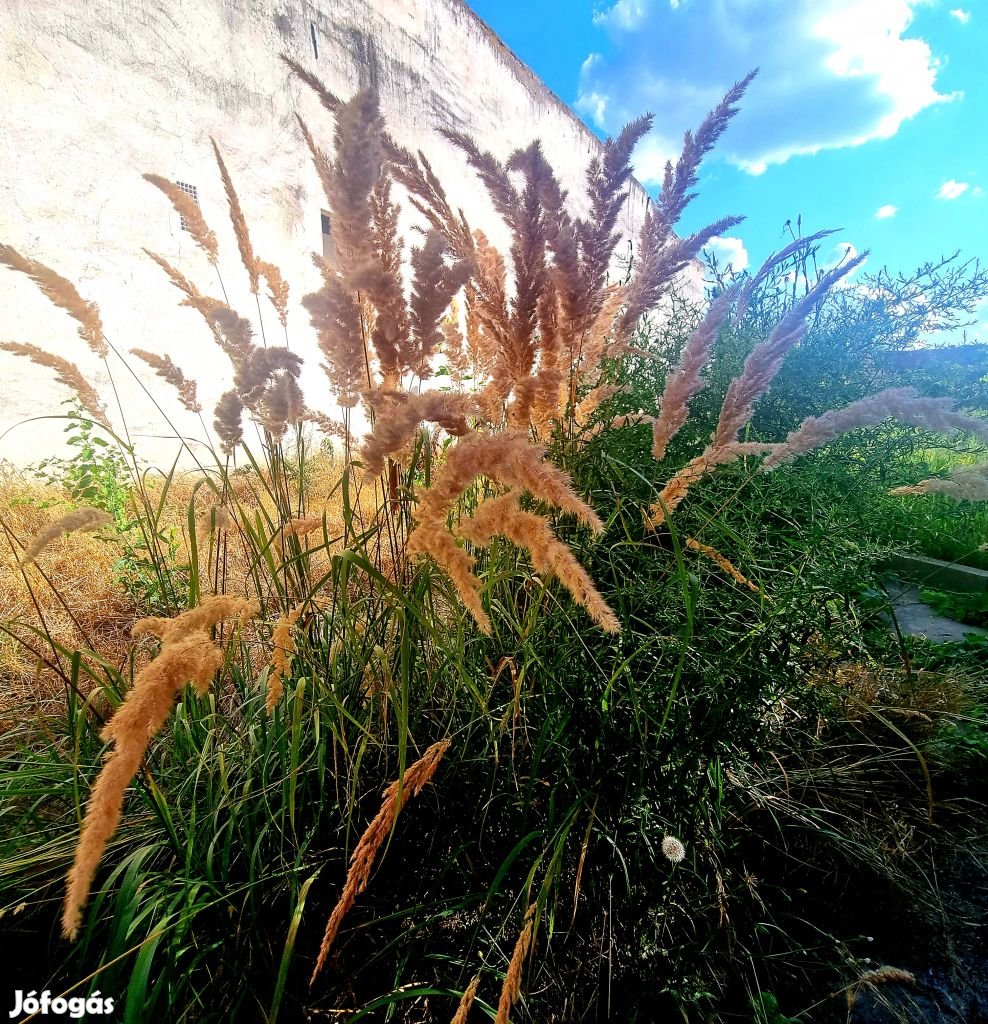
(98, 92)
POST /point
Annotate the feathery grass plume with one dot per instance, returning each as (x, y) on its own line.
(202, 304)
(247, 257)
(902, 404)
(776, 259)
(466, 1001)
(606, 177)
(502, 516)
(267, 383)
(187, 654)
(228, 422)
(66, 373)
(510, 459)
(434, 283)
(706, 462)
(396, 423)
(331, 102)
(282, 654)
(628, 419)
(335, 315)
(686, 380)
(79, 519)
(166, 369)
(511, 989)
(60, 293)
(232, 332)
(188, 209)
(433, 539)
(396, 796)
(878, 976)
(593, 400)
(963, 483)
(660, 254)
(765, 359)
(725, 563)
(277, 289)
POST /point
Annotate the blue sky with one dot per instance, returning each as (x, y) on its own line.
(867, 115)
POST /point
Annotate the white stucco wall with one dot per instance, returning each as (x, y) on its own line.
(97, 92)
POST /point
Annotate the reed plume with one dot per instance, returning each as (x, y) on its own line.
(396, 423)
(723, 562)
(282, 654)
(502, 516)
(167, 370)
(396, 796)
(66, 373)
(686, 380)
(60, 293)
(84, 519)
(247, 257)
(277, 289)
(678, 486)
(765, 359)
(188, 209)
(466, 1001)
(228, 422)
(661, 255)
(187, 654)
(511, 989)
(962, 483)
(902, 404)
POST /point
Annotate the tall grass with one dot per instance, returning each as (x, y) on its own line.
(475, 582)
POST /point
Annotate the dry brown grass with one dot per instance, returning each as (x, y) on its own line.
(83, 605)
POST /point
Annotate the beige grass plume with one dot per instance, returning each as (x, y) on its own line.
(187, 654)
(167, 370)
(80, 519)
(678, 486)
(511, 989)
(502, 516)
(962, 483)
(282, 654)
(188, 209)
(765, 359)
(247, 257)
(686, 380)
(397, 422)
(466, 1002)
(66, 373)
(902, 404)
(396, 796)
(61, 293)
(725, 564)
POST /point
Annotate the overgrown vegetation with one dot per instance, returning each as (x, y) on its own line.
(610, 674)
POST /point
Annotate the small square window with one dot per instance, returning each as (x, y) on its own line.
(192, 192)
(327, 227)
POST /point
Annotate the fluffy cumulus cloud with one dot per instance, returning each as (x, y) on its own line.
(886, 211)
(834, 73)
(952, 189)
(961, 15)
(729, 252)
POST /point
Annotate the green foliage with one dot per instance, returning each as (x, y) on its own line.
(971, 609)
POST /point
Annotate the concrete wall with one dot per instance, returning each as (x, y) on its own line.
(97, 92)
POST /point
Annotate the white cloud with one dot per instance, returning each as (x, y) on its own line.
(886, 211)
(650, 158)
(961, 15)
(952, 189)
(729, 251)
(626, 14)
(834, 73)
